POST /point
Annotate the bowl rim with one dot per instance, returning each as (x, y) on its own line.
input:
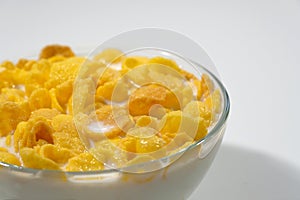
(215, 130)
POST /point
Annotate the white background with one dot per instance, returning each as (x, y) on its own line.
(254, 44)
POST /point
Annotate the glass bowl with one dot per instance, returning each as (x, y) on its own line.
(175, 180)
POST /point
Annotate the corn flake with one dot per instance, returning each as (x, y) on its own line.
(84, 162)
(165, 62)
(56, 50)
(132, 62)
(10, 115)
(57, 154)
(109, 55)
(32, 159)
(142, 99)
(39, 98)
(29, 133)
(9, 158)
(45, 112)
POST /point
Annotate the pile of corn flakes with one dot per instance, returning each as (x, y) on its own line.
(164, 110)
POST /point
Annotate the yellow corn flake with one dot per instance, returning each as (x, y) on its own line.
(54, 102)
(7, 65)
(19, 76)
(64, 71)
(146, 120)
(42, 66)
(19, 139)
(9, 158)
(84, 162)
(10, 115)
(106, 90)
(38, 74)
(25, 64)
(132, 62)
(165, 62)
(30, 87)
(128, 144)
(109, 55)
(139, 75)
(64, 92)
(116, 117)
(82, 98)
(108, 75)
(176, 122)
(57, 154)
(107, 151)
(187, 75)
(214, 101)
(207, 85)
(149, 145)
(28, 133)
(65, 123)
(6, 77)
(170, 123)
(12, 94)
(142, 99)
(57, 58)
(41, 142)
(66, 135)
(68, 141)
(44, 112)
(198, 86)
(3, 149)
(199, 109)
(56, 50)
(142, 140)
(39, 98)
(32, 159)
(168, 137)
(8, 140)
(115, 90)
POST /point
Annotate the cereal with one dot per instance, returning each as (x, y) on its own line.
(84, 162)
(147, 121)
(106, 151)
(65, 135)
(55, 50)
(109, 56)
(8, 140)
(30, 132)
(12, 95)
(57, 154)
(142, 99)
(39, 98)
(132, 62)
(11, 114)
(44, 112)
(64, 91)
(3, 149)
(54, 102)
(63, 71)
(141, 109)
(32, 159)
(165, 62)
(206, 85)
(199, 109)
(9, 158)
(176, 122)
